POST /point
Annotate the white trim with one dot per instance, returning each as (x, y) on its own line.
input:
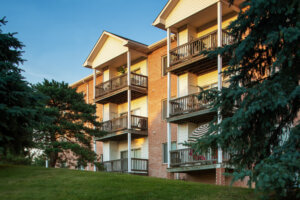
(94, 83)
(219, 7)
(168, 96)
(129, 110)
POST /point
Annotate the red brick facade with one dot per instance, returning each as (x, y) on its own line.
(157, 131)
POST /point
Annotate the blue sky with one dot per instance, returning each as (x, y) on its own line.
(59, 34)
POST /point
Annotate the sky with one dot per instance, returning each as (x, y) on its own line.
(59, 34)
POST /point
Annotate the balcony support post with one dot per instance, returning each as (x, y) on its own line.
(219, 71)
(95, 150)
(168, 97)
(129, 110)
(94, 83)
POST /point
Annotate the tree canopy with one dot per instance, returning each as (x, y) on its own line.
(260, 127)
(18, 102)
(67, 136)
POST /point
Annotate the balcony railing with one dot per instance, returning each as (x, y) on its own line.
(188, 157)
(120, 123)
(195, 47)
(121, 165)
(187, 104)
(121, 82)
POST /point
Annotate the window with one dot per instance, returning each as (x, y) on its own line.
(210, 86)
(136, 111)
(164, 65)
(164, 109)
(101, 158)
(135, 153)
(165, 150)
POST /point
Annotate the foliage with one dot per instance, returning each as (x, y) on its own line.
(39, 160)
(27, 183)
(16, 159)
(100, 166)
(261, 102)
(67, 135)
(122, 69)
(17, 100)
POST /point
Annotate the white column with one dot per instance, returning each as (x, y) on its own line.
(46, 162)
(95, 150)
(87, 92)
(219, 70)
(129, 110)
(94, 81)
(168, 96)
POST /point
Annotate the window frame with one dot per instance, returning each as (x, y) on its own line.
(163, 150)
(162, 109)
(164, 68)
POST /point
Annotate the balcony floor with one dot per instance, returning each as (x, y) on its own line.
(120, 96)
(197, 167)
(198, 65)
(196, 117)
(122, 135)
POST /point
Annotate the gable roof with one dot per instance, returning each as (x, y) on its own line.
(159, 20)
(126, 42)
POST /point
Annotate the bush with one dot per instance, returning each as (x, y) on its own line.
(15, 160)
(39, 161)
(99, 166)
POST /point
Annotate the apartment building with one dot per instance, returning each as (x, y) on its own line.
(146, 95)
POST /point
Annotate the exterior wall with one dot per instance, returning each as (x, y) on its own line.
(183, 37)
(112, 149)
(157, 131)
(189, 7)
(111, 48)
(183, 85)
(142, 65)
(187, 84)
(106, 148)
(139, 143)
(213, 27)
(183, 132)
(140, 103)
(208, 78)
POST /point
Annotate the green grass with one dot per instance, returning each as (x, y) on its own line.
(22, 182)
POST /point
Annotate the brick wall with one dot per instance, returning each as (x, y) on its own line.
(157, 132)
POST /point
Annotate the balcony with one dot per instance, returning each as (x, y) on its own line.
(115, 89)
(138, 165)
(190, 109)
(183, 160)
(188, 58)
(118, 128)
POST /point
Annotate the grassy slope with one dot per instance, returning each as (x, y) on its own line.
(19, 182)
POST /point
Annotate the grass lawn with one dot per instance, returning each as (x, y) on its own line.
(22, 182)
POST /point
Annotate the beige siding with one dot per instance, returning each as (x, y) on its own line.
(140, 103)
(112, 48)
(189, 7)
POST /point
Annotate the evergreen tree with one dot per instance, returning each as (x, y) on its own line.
(67, 135)
(18, 113)
(260, 106)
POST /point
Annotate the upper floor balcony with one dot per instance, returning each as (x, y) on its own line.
(115, 89)
(188, 57)
(118, 128)
(138, 165)
(190, 109)
(184, 160)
